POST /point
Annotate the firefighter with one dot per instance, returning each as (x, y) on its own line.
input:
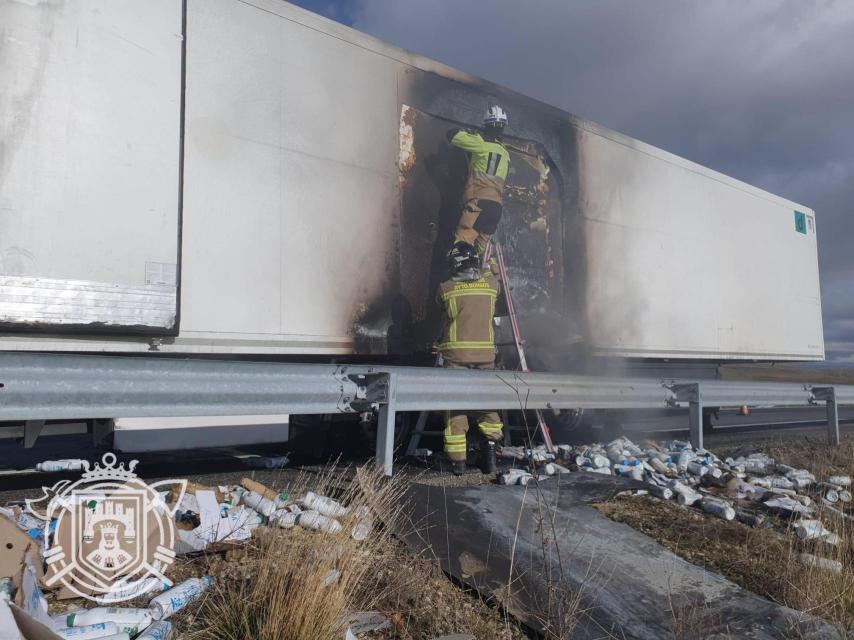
(468, 300)
(489, 163)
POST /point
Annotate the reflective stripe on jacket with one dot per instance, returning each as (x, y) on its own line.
(469, 306)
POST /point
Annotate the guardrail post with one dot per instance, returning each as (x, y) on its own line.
(690, 393)
(385, 430)
(828, 395)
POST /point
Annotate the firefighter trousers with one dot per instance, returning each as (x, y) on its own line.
(478, 222)
(457, 422)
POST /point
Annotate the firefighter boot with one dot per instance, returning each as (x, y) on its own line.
(487, 458)
(458, 467)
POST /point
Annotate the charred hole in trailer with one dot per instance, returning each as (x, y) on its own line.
(538, 230)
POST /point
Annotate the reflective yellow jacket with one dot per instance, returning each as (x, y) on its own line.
(469, 306)
(488, 166)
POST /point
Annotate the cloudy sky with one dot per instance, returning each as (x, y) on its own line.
(762, 90)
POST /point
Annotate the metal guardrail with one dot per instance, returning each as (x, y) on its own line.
(38, 387)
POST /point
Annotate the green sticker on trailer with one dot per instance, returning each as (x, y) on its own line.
(800, 222)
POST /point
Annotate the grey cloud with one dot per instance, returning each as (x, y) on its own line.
(762, 90)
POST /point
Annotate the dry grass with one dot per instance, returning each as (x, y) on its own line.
(788, 373)
(764, 561)
(276, 587)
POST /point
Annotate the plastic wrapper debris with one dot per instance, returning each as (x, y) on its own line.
(361, 622)
(178, 597)
(513, 476)
(266, 462)
(364, 524)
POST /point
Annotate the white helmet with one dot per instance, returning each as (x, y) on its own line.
(495, 117)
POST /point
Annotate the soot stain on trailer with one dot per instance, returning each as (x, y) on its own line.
(540, 208)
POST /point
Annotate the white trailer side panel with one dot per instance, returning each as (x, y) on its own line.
(686, 262)
(290, 177)
(90, 96)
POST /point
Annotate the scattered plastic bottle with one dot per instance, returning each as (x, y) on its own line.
(845, 495)
(841, 481)
(318, 522)
(697, 468)
(161, 630)
(122, 616)
(51, 466)
(810, 529)
(816, 562)
(324, 506)
(750, 519)
(831, 495)
(659, 466)
(661, 492)
(7, 589)
(178, 597)
(781, 483)
(284, 519)
(259, 503)
(719, 509)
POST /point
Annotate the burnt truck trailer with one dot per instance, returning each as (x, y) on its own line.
(243, 178)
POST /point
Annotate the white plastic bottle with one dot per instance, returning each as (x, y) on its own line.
(318, 522)
(284, 519)
(697, 468)
(89, 632)
(659, 466)
(161, 630)
(719, 509)
(324, 506)
(781, 483)
(122, 616)
(49, 466)
(661, 492)
(178, 597)
(817, 562)
(810, 529)
(259, 503)
(840, 481)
